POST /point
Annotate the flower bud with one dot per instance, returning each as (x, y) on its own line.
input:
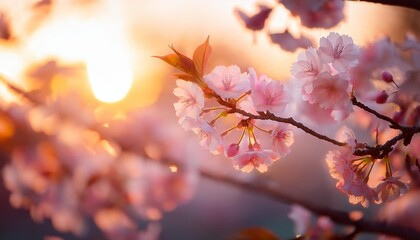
(387, 77)
(381, 97)
(398, 116)
(232, 150)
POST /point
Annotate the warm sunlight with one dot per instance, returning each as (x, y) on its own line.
(110, 76)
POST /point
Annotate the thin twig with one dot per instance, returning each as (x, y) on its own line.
(393, 123)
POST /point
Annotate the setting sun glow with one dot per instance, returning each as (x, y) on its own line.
(109, 73)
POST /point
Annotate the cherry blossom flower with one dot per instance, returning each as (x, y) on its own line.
(346, 135)
(390, 189)
(350, 178)
(210, 137)
(339, 164)
(339, 50)
(308, 65)
(329, 91)
(259, 159)
(267, 94)
(228, 82)
(358, 191)
(282, 139)
(191, 99)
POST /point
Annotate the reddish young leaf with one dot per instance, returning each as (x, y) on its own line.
(200, 57)
(185, 76)
(180, 62)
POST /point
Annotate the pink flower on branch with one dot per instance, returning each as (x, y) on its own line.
(191, 99)
(308, 65)
(210, 137)
(253, 158)
(329, 92)
(282, 139)
(340, 51)
(267, 94)
(228, 82)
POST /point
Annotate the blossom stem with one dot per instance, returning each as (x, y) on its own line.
(262, 130)
(206, 110)
(370, 170)
(242, 136)
(244, 95)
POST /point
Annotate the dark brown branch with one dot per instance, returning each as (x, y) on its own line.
(393, 123)
(270, 116)
(380, 151)
(413, 4)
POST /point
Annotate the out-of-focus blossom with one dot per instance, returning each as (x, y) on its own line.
(316, 13)
(228, 82)
(390, 189)
(301, 217)
(257, 21)
(414, 146)
(404, 211)
(289, 43)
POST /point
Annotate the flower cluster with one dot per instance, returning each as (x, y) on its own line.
(232, 110)
(244, 92)
(354, 174)
(67, 171)
(323, 77)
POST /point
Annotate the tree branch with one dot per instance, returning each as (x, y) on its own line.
(270, 116)
(393, 123)
(340, 217)
(362, 225)
(413, 4)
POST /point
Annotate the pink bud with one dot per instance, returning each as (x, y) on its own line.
(381, 97)
(387, 77)
(232, 150)
(398, 116)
